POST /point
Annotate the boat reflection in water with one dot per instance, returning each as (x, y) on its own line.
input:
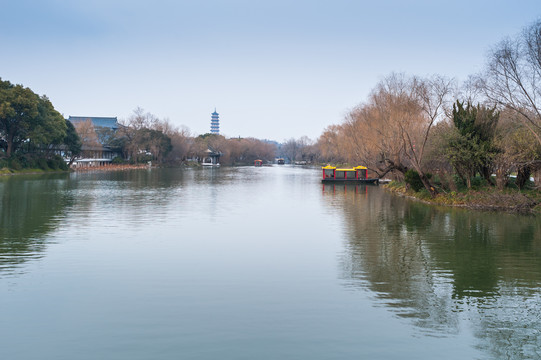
(345, 188)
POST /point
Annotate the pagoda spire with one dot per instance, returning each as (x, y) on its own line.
(215, 122)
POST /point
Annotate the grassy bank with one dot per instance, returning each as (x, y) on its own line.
(484, 198)
(112, 167)
(8, 172)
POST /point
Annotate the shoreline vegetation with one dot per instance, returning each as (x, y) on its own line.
(110, 167)
(486, 198)
(473, 144)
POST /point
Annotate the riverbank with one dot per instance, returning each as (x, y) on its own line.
(11, 172)
(111, 167)
(487, 198)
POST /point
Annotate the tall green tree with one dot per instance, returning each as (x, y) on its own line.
(26, 118)
(72, 141)
(18, 115)
(471, 147)
(50, 127)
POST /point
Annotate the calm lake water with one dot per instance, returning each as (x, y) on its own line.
(258, 263)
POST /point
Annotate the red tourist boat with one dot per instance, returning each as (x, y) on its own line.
(356, 175)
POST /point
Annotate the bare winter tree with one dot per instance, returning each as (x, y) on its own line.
(390, 132)
(87, 133)
(432, 96)
(513, 77)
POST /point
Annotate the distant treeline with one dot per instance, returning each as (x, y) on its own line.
(144, 137)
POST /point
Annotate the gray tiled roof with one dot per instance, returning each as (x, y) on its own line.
(107, 122)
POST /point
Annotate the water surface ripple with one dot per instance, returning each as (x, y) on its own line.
(258, 263)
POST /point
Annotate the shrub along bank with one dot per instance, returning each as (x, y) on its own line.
(480, 196)
(29, 163)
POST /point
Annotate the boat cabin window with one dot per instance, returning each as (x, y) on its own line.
(329, 173)
(350, 174)
(340, 174)
(362, 173)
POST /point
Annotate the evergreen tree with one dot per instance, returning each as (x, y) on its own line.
(471, 148)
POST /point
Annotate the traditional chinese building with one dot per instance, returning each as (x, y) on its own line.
(94, 152)
(215, 123)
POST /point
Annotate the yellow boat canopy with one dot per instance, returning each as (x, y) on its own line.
(329, 167)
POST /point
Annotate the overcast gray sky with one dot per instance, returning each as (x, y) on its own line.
(273, 69)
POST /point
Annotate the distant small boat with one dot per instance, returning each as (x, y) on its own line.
(207, 164)
(280, 161)
(356, 175)
(302, 162)
(258, 163)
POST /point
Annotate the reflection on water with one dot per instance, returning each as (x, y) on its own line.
(248, 263)
(447, 268)
(31, 207)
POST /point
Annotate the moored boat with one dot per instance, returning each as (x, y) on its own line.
(258, 162)
(356, 175)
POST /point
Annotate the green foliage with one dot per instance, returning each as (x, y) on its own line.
(118, 160)
(18, 115)
(43, 164)
(49, 127)
(471, 145)
(208, 135)
(21, 162)
(28, 124)
(478, 182)
(15, 164)
(424, 194)
(412, 178)
(72, 140)
(57, 163)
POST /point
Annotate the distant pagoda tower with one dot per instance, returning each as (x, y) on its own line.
(215, 123)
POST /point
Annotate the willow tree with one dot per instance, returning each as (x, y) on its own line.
(391, 130)
(330, 144)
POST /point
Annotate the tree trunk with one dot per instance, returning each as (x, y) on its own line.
(487, 174)
(537, 177)
(9, 148)
(502, 179)
(426, 182)
(523, 175)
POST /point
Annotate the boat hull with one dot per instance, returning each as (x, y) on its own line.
(350, 181)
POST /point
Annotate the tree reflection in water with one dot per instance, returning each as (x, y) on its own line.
(31, 208)
(446, 269)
